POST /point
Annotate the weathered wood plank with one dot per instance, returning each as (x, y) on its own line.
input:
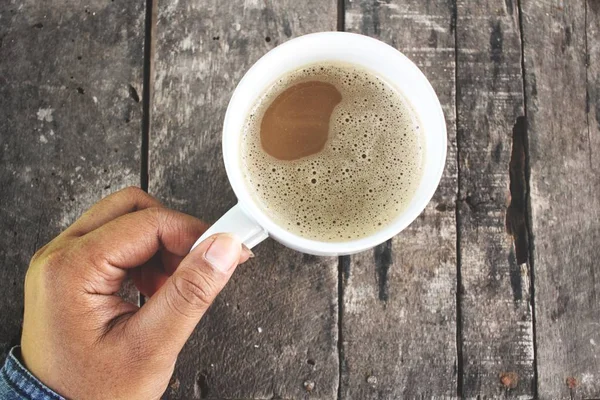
(496, 320)
(69, 124)
(398, 315)
(275, 325)
(565, 196)
(593, 80)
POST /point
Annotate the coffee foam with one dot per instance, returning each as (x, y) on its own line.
(365, 176)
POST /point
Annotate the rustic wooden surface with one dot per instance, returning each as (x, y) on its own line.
(593, 79)
(565, 195)
(496, 319)
(70, 82)
(274, 329)
(491, 293)
(399, 300)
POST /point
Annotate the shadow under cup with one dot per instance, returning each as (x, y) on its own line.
(368, 53)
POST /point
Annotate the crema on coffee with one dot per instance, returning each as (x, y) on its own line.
(332, 152)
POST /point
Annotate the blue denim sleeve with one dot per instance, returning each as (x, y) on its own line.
(16, 383)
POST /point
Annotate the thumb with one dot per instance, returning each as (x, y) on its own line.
(175, 310)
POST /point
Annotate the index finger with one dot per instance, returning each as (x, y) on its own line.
(113, 206)
(134, 238)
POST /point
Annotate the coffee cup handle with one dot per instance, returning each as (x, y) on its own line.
(239, 223)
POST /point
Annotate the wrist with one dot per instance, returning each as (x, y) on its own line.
(18, 383)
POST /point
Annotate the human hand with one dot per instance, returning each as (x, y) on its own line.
(85, 342)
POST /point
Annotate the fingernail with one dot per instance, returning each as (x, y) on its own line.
(247, 251)
(224, 252)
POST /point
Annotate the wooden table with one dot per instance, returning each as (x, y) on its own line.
(492, 293)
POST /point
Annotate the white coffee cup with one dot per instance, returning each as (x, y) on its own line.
(246, 219)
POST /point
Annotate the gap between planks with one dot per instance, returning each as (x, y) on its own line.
(148, 84)
(527, 207)
(457, 215)
(147, 91)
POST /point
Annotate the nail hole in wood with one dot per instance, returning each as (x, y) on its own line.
(441, 207)
(134, 94)
(203, 385)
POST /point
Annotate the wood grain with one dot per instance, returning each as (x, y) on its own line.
(69, 124)
(496, 320)
(273, 332)
(565, 195)
(399, 308)
(593, 79)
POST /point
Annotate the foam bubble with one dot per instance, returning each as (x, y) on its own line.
(365, 176)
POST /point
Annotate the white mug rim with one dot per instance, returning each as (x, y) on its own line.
(231, 146)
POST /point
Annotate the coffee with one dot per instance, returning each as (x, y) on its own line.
(331, 152)
(296, 124)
